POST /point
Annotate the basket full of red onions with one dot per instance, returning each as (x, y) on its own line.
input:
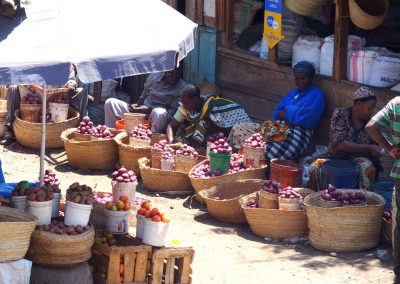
(220, 156)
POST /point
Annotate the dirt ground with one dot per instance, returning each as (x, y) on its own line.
(225, 253)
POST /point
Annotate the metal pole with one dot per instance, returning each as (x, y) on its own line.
(43, 144)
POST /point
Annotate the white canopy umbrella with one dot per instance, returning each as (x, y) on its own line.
(103, 39)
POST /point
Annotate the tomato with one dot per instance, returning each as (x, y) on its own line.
(165, 218)
(124, 198)
(154, 212)
(146, 205)
(147, 215)
(142, 211)
(108, 205)
(156, 218)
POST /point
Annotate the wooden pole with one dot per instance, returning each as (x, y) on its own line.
(341, 36)
(273, 54)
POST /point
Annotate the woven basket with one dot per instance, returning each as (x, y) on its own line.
(268, 200)
(28, 134)
(129, 155)
(304, 7)
(91, 155)
(200, 184)
(344, 229)
(362, 19)
(163, 181)
(223, 200)
(16, 227)
(387, 232)
(53, 250)
(274, 223)
(330, 204)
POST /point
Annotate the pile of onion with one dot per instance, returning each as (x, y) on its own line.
(289, 192)
(331, 194)
(251, 204)
(141, 132)
(124, 175)
(203, 170)
(86, 126)
(272, 186)
(30, 99)
(102, 131)
(221, 147)
(216, 137)
(255, 141)
(188, 151)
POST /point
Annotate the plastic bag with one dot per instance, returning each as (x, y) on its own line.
(305, 162)
(15, 272)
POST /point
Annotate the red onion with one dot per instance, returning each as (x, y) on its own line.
(255, 141)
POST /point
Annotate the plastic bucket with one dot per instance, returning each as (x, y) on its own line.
(155, 233)
(385, 189)
(287, 172)
(19, 202)
(167, 164)
(59, 112)
(77, 214)
(30, 113)
(42, 210)
(219, 162)
(140, 225)
(117, 222)
(132, 119)
(136, 142)
(156, 160)
(55, 210)
(288, 204)
(341, 174)
(120, 125)
(253, 156)
(124, 188)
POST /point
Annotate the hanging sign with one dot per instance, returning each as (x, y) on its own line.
(273, 22)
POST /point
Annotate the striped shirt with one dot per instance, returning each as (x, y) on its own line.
(389, 118)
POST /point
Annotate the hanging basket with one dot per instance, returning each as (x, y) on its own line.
(28, 134)
(223, 200)
(368, 14)
(91, 155)
(347, 228)
(16, 227)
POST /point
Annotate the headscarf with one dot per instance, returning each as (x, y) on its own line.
(364, 94)
(305, 67)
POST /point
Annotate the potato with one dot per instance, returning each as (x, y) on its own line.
(77, 199)
(32, 196)
(41, 198)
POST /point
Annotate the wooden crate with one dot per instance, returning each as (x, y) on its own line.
(135, 255)
(171, 265)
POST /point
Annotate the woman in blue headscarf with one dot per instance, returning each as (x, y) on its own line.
(301, 109)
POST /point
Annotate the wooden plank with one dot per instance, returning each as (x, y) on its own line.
(207, 55)
(113, 269)
(190, 9)
(221, 15)
(129, 266)
(199, 12)
(340, 43)
(97, 86)
(227, 35)
(141, 266)
(172, 252)
(184, 269)
(172, 3)
(157, 271)
(169, 271)
(273, 54)
(210, 13)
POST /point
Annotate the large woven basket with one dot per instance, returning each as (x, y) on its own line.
(274, 223)
(200, 184)
(304, 7)
(164, 181)
(129, 155)
(373, 16)
(344, 229)
(16, 228)
(223, 200)
(53, 250)
(28, 134)
(91, 155)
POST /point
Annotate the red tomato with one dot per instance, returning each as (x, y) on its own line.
(156, 218)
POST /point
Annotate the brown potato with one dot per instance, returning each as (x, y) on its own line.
(32, 196)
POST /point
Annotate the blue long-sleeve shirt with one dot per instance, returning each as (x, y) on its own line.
(302, 109)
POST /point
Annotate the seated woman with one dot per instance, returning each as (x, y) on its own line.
(301, 109)
(349, 140)
(205, 116)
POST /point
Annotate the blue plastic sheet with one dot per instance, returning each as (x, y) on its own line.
(7, 188)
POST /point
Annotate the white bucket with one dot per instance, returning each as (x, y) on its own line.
(167, 164)
(136, 142)
(117, 222)
(59, 112)
(140, 225)
(77, 214)
(155, 233)
(131, 120)
(42, 210)
(124, 188)
(56, 205)
(253, 156)
(19, 202)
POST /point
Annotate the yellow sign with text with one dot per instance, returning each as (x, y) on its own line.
(273, 22)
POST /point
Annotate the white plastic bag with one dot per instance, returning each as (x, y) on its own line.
(307, 48)
(305, 162)
(386, 71)
(15, 272)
